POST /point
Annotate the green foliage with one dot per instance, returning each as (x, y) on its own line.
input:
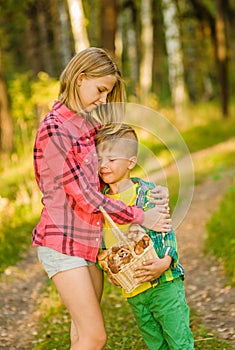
(212, 133)
(214, 164)
(30, 100)
(19, 211)
(221, 241)
(198, 137)
(15, 235)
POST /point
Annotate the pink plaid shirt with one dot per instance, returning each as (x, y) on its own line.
(66, 170)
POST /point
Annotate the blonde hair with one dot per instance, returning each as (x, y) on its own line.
(94, 63)
(113, 132)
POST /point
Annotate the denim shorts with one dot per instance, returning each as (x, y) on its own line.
(54, 262)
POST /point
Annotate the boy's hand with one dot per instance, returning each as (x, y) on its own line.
(113, 280)
(152, 269)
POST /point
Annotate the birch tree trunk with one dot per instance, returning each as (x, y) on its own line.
(61, 33)
(175, 55)
(147, 51)
(78, 24)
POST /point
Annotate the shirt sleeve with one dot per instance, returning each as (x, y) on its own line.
(170, 247)
(73, 171)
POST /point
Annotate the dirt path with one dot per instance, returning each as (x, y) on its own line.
(205, 283)
(19, 289)
(206, 288)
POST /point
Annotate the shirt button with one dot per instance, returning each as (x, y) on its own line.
(87, 139)
(98, 223)
(97, 239)
(86, 160)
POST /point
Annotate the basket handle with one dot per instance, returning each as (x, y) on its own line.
(117, 232)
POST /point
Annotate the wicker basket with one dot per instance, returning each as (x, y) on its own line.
(125, 276)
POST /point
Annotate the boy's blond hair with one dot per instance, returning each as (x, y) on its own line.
(113, 132)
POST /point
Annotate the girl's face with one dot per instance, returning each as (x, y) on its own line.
(94, 92)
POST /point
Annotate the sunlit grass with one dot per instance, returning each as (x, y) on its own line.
(19, 210)
(221, 240)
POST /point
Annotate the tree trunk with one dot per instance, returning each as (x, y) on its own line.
(6, 125)
(61, 34)
(222, 54)
(175, 56)
(220, 45)
(108, 21)
(147, 51)
(45, 46)
(78, 24)
(33, 51)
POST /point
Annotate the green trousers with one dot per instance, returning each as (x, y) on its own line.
(162, 315)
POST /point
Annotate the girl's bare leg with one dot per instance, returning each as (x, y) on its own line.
(77, 291)
(97, 277)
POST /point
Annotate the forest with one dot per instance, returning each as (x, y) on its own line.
(177, 58)
(170, 52)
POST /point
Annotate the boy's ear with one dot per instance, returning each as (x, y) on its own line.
(133, 161)
(80, 78)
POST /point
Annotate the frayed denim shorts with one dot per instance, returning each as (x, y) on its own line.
(54, 262)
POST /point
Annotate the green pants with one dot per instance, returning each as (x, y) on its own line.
(162, 316)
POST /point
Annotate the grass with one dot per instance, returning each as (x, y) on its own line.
(221, 240)
(19, 211)
(123, 333)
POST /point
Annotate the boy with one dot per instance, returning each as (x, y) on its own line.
(158, 303)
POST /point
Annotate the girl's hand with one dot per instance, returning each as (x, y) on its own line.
(157, 219)
(159, 196)
(152, 269)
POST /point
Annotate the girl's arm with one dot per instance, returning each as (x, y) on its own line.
(73, 172)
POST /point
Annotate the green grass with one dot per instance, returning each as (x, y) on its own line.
(123, 333)
(19, 211)
(15, 236)
(221, 240)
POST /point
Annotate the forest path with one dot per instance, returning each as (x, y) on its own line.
(20, 286)
(206, 288)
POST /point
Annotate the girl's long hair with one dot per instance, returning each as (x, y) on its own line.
(94, 63)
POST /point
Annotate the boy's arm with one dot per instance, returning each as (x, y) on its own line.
(169, 247)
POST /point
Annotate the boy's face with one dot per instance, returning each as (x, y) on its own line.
(114, 164)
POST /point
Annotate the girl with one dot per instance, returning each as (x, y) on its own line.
(68, 235)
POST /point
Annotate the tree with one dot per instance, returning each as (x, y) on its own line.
(108, 22)
(174, 53)
(147, 50)
(217, 25)
(6, 126)
(222, 52)
(60, 27)
(78, 24)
